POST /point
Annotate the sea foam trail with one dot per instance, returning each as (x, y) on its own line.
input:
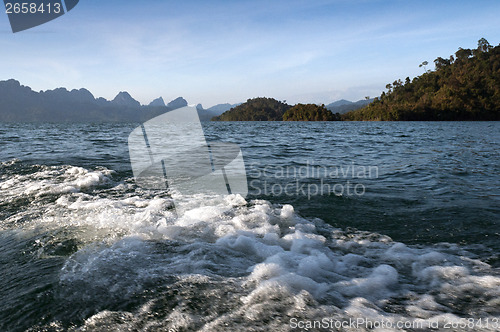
(54, 180)
(224, 263)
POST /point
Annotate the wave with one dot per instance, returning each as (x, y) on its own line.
(129, 260)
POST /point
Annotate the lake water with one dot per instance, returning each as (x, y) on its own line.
(389, 222)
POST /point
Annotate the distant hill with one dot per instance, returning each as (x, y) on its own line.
(221, 108)
(157, 102)
(257, 109)
(463, 87)
(205, 114)
(339, 103)
(343, 106)
(177, 103)
(209, 113)
(309, 112)
(125, 99)
(19, 103)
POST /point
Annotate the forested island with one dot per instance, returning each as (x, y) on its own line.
(269, 109)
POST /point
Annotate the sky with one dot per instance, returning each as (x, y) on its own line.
(216, 51)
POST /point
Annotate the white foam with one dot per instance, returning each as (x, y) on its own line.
(54, 180)
(286, 259)
(266, 254)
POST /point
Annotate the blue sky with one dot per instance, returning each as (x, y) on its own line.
(213, 52)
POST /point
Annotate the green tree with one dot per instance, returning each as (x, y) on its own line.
(309, 112)
(424, 64)
(463, 54)
(483, 45)
(441, 63)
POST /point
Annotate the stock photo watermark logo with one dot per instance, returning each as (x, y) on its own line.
(307, 179)
(26, 14)
(170, 152)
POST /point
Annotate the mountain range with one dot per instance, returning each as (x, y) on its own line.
(19, 103)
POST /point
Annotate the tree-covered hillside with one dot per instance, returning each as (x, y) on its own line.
(257, 109)
(309, 112)
(463, 87)
(269, 109)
